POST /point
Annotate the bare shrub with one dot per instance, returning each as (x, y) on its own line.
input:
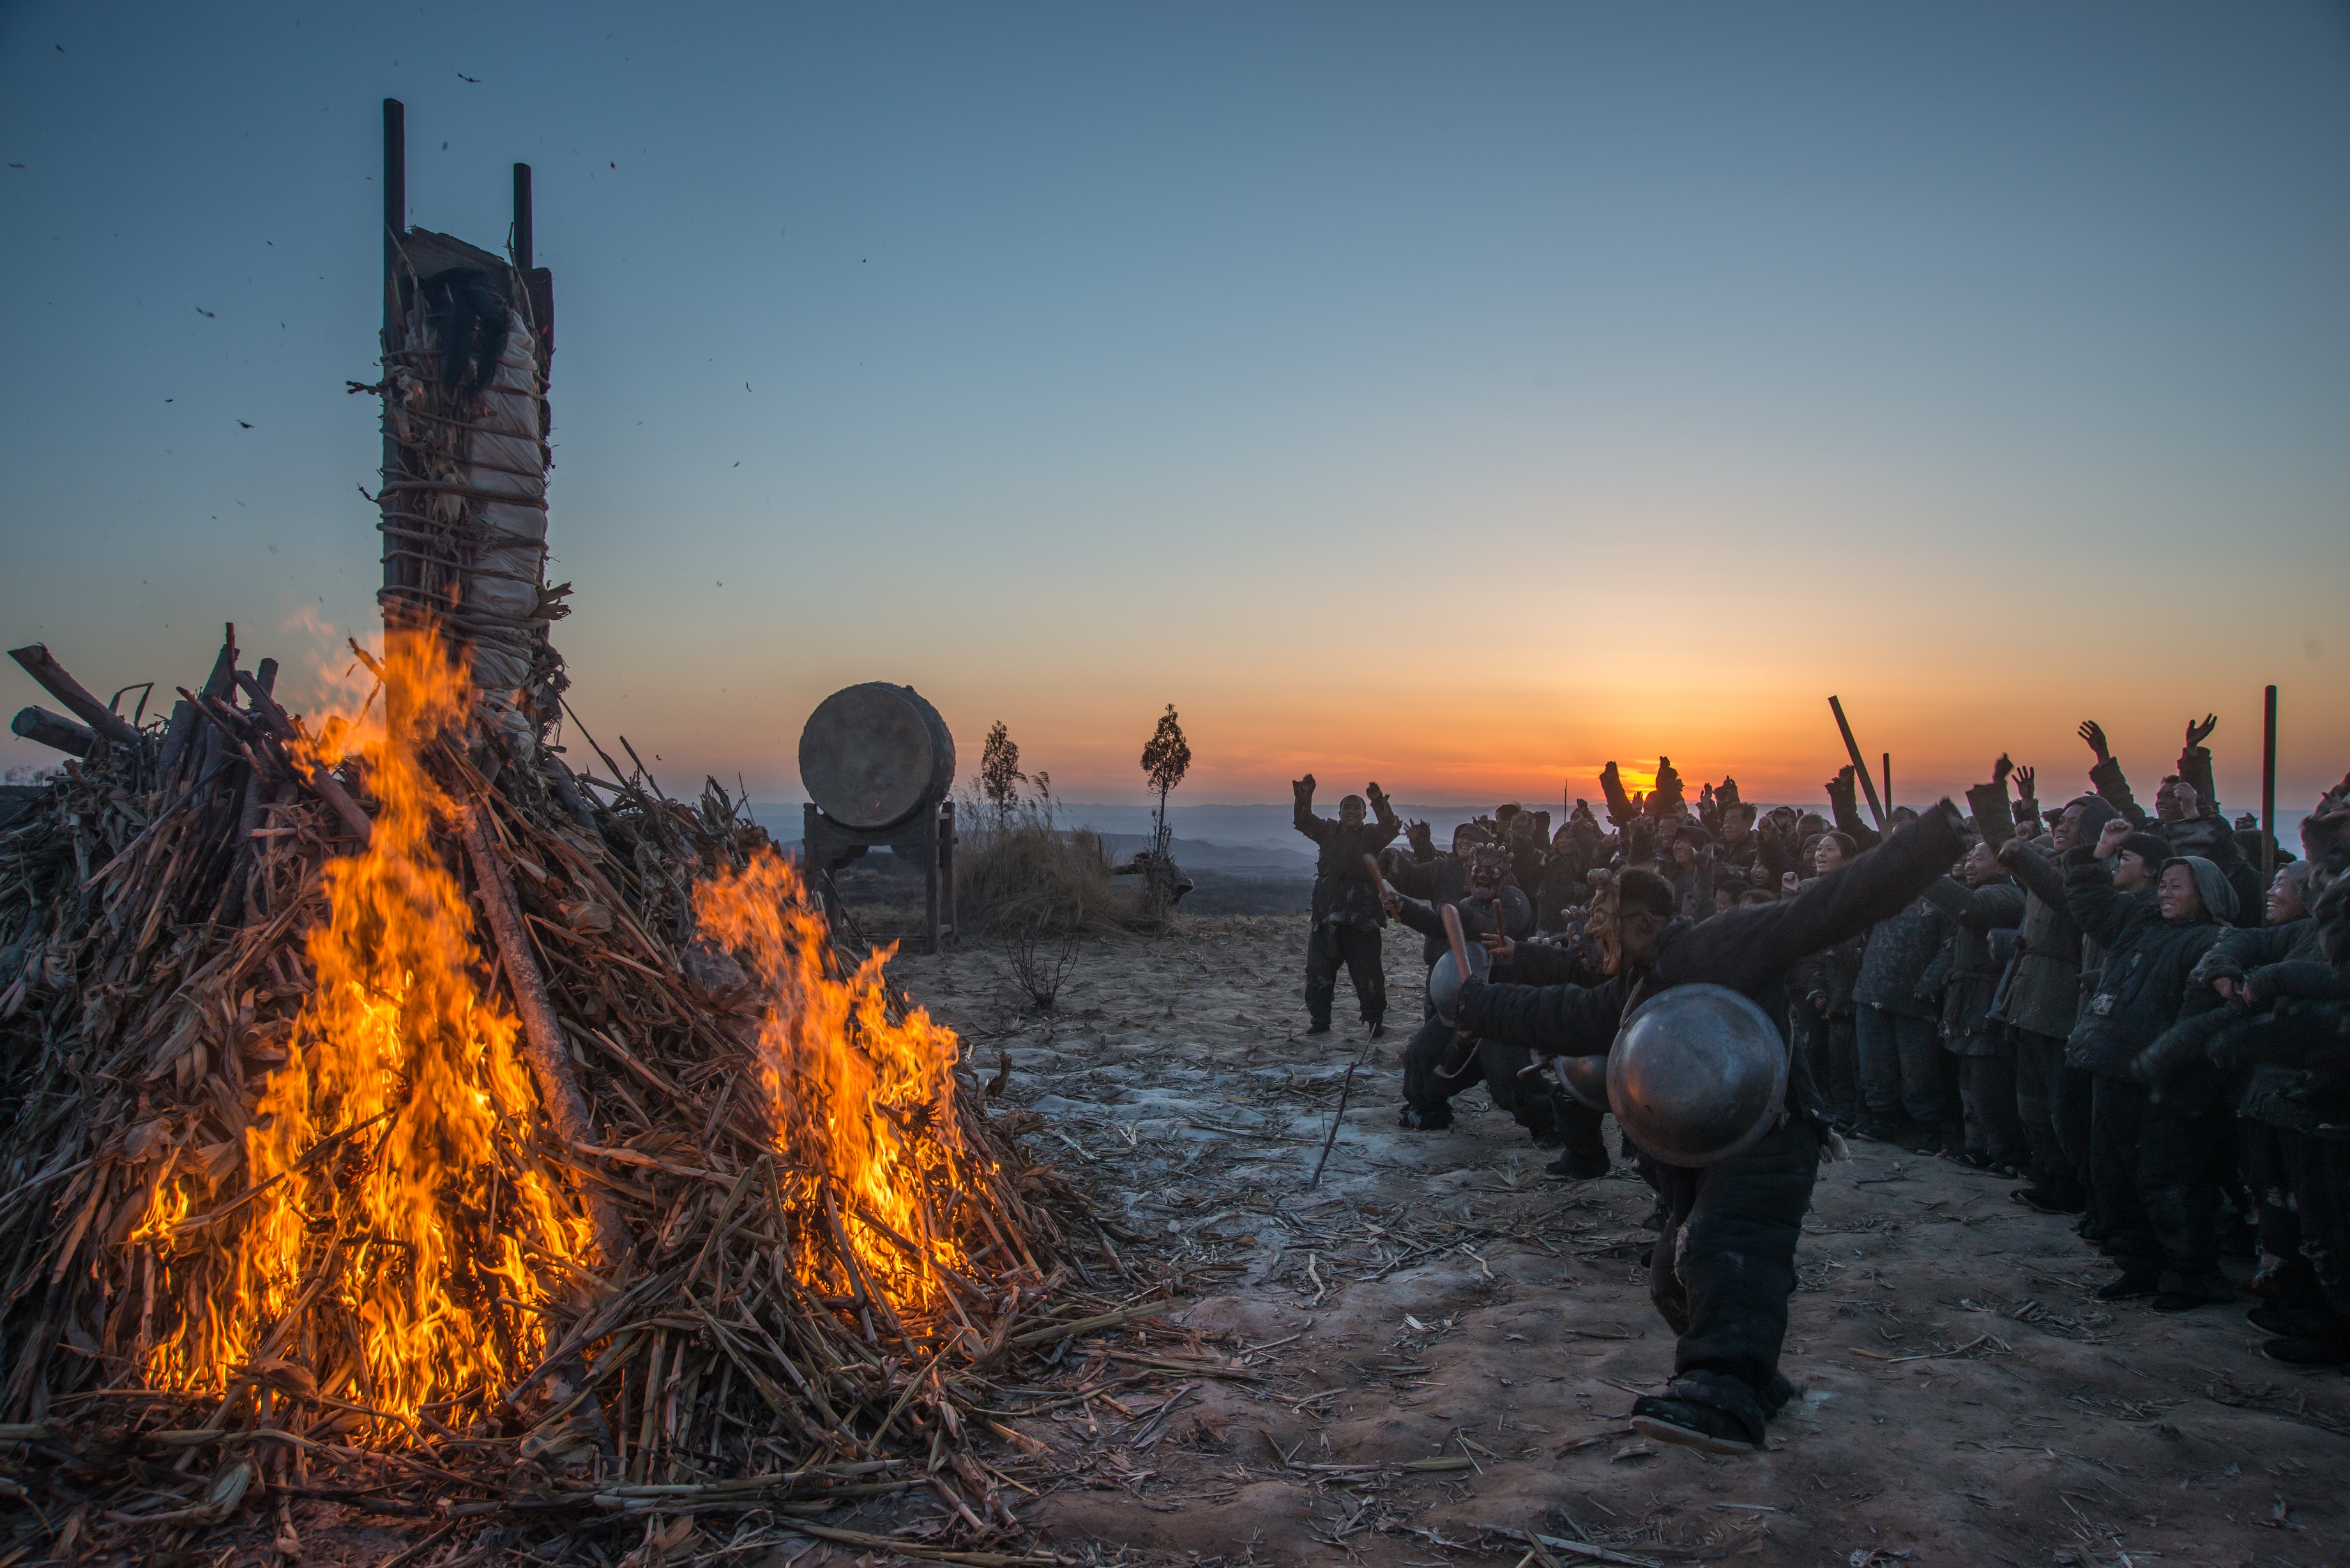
(1038, 977)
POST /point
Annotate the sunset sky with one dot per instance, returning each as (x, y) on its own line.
(1458, 397)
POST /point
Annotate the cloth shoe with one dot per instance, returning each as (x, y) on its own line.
(1691, 1425)
(2299, 1322)
(1580, 1168)
(1421, 1119)
(2200, 1289)
(1374, 1028)
(1320, 1026)
(1877, 1129)
(2045, 1199)
(2133, 1285)
(2308, 1352)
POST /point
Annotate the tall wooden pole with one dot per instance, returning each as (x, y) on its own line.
(1889, 781)
(395, 228)
(2268, 791)
(521, 234)
(1859, 768)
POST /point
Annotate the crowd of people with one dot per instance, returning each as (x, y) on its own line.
(2143, 1018)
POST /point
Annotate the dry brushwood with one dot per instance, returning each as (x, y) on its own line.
(683, 1312)
(1039, 978)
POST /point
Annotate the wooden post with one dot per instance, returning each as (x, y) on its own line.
(2268, 791)
(522, 233)
(1852, 750)
(395, 228)
(930, 884)
(947, 870)
(1889, 781)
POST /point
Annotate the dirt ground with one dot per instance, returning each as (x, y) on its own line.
(1434, 1351)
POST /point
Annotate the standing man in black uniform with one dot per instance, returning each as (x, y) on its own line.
(1725, 1263)
(1346, 913)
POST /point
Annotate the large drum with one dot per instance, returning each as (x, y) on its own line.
(876, 755)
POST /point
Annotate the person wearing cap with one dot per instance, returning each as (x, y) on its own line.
(1724, 1263)
(2156, 1169)
(1346, 914)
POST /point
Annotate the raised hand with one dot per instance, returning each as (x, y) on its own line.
(2110, 839)
(2025, 778)
(1499, 946)
(1302, 788)
(2198, 733)
(1375, 793)
(2091, 733)
(2002, 768)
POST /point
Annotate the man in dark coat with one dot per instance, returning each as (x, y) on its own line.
(1564, 894)
(1908, 1100)
(1979, 902)
(2156, 1166)
(1724, 1264)
(2041, 1000)
(1438, 1064)
(1346, 914)
(2260, 978)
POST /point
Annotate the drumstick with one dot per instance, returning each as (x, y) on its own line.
(1459, 944)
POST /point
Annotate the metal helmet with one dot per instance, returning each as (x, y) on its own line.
(1444, 980)
(1698, 1073)
(1584, 1078)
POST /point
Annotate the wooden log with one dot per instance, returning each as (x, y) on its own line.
(321, 780)
(175, 738)
(222, 681)
(55, 730)
(550, 1064)
(105, 721)
(1859, 768)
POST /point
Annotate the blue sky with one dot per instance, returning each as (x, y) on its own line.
(1460, 395)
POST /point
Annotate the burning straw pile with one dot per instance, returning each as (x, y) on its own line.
(392, 1120)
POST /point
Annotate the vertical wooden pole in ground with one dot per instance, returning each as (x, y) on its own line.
(2268, 789)
(947, 871)
(1889, 781)
(395, 227)
(522, 230)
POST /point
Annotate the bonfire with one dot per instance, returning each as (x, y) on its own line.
(398, 1117)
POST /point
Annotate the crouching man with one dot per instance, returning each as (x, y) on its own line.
(1725, 1264)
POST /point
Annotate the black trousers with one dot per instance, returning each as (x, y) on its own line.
(1987, 1089)
(2075, 1116)
(1437, 1065)
(2321, 1196)
(1724, 1269)
(2159, 1165)
(2039, 1088)
(1357, 948)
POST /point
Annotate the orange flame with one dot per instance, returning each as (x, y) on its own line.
(419, 1213)
(861, 1108)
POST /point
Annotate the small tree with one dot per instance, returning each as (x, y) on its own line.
(1000, 777)
(1164, 761)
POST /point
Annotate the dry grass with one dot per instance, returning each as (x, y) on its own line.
(1017, 870)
